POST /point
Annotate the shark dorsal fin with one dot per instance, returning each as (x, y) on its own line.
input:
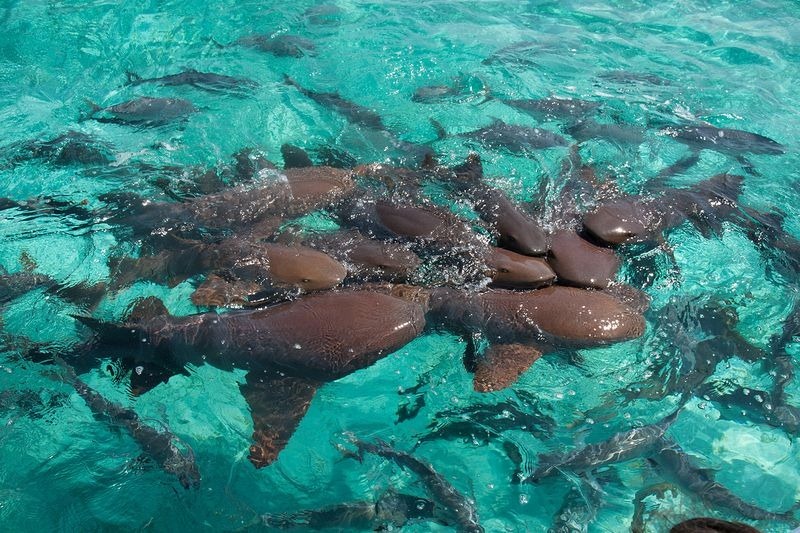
(146, 308)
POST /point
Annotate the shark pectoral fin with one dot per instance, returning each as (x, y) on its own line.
(295, 157)
(83, 295)
(277, 403)
(266, 296)
(150, 374)
(502, 364)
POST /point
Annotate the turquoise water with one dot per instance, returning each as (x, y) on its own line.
(731, 64)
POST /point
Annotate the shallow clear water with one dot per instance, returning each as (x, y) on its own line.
(731, 64)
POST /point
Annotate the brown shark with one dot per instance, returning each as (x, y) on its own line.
(244, 207)
(513, 228)
(274, 266)
(289, 350)
(580, 263)
(522, 325)
(366, 258)
(509, 270)
(452, 252)
(439, 233)
(631, 219)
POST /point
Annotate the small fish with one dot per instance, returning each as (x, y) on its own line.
(158, 445)
(725, 140)
(354, 113)
(698, 334)
(622, 446)
(481, 423)
(70, 148)
(144, 111)
(324, 15)
(17, 284)
(554, 108)
(625, 77)
(201, 80)
(392, 510)
(455, 505)
(278, 45)
(462, 85)
(29, 403)
(620, 134)
(781, 360)
(518, 54)
(757, 405)
(434, 93)
(515, 139)
(677, 464)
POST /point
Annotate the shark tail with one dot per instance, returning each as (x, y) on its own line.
(347, 453)
(288, 80)
(486, 92)
(93, 110)
(668, 420)
(65, 375)
(132, 78)
(441, 133)
(216, 43)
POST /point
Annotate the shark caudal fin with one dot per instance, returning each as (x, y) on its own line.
(441, 133)
(216, 43)
(93, 110)
(132, 77)
(485, 91)
(288, 80)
